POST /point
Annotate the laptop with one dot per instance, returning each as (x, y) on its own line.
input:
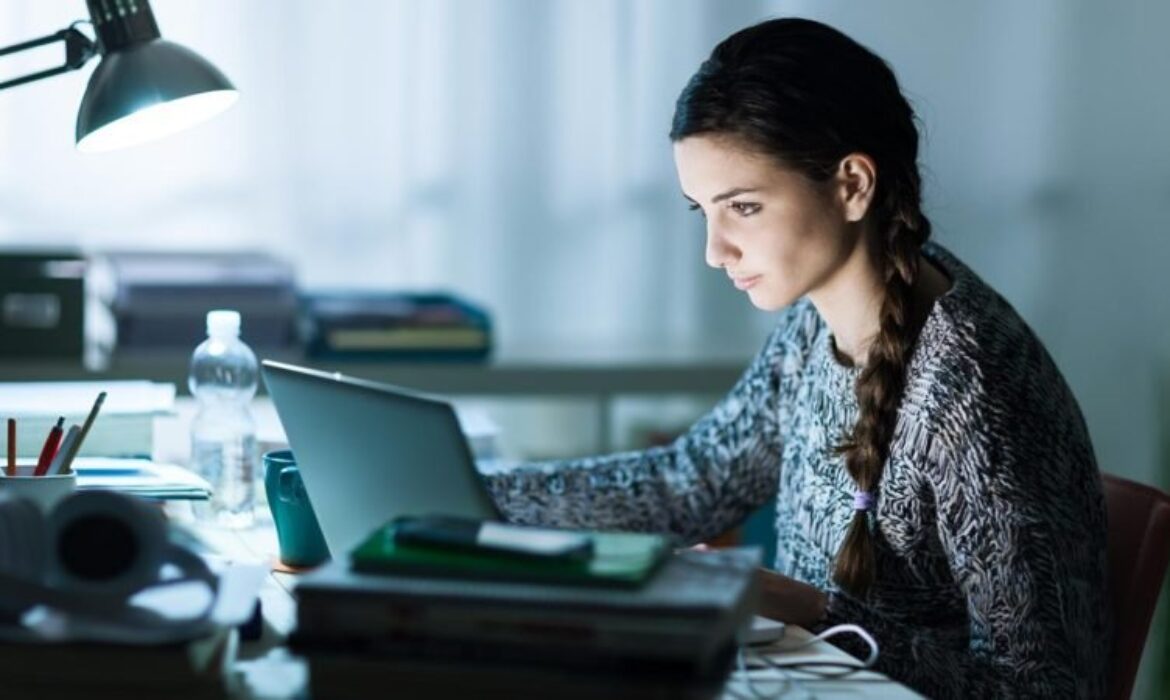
(369, 452)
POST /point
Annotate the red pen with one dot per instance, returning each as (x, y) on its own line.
(50, 449)
(11, 447)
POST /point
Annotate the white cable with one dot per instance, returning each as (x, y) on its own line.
(855, 629)
(783, 668)
(788, 682)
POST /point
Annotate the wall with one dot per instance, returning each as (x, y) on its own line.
(516, 151)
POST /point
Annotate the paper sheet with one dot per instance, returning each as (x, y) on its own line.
(140, 477)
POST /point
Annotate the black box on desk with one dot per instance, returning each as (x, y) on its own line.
(161, 299)
(42, 302)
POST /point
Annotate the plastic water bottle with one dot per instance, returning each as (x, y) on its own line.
(223, 380)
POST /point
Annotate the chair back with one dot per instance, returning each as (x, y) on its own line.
(1139, 550)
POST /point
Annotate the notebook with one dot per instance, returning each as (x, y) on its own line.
(619, 559)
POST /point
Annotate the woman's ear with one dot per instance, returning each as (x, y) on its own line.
(856, 180)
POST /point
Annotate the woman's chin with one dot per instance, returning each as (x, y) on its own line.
(765, 301)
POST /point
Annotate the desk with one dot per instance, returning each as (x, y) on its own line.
(266, 670)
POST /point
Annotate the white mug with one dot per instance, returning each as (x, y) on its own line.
(44, 491)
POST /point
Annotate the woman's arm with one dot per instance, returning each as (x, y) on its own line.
(788, 600)
(707, 481)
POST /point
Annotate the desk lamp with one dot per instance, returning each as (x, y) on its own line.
(143, 88)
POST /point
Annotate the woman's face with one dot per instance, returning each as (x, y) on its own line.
(778, 234)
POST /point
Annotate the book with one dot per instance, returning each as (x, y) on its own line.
(603, 646)
(366, 339)
(347, 675)
(394, 325)
(618, 559)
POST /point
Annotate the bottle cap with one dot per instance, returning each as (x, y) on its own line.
(223, 322)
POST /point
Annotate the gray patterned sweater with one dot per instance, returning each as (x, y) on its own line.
(990, 517)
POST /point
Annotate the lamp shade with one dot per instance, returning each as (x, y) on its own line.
(146, 91)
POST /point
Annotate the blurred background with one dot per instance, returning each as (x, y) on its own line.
(515, 152)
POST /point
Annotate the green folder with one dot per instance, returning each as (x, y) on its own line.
(619, 559)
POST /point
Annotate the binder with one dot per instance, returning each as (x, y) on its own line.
(161, 298)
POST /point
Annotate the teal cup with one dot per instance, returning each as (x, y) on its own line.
(297, 530)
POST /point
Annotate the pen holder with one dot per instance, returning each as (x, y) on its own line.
(297, 531)
(45, 491)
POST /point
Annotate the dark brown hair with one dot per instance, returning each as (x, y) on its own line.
(807, 95)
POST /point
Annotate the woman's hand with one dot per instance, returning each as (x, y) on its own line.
(788, 600)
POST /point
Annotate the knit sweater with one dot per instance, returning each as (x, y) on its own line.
(989, 520)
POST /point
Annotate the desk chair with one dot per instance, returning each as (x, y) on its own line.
(1139, 549)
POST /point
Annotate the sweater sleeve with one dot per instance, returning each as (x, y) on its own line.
(1028, 565)
(705, 482)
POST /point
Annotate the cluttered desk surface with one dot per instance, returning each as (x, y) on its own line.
(266, 669)
(264, 666)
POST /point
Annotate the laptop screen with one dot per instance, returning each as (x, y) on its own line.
(369, 452)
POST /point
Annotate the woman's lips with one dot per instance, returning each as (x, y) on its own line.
(745, 283)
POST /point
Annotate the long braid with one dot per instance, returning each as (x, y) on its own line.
(880, 386)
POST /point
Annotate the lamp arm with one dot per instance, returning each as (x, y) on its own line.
(78, 49)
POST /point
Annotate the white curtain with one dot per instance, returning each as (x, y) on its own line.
(512, 150)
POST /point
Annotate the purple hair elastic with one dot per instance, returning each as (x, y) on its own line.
(862, 500)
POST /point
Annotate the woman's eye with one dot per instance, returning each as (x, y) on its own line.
(696, 207)
(745, 208)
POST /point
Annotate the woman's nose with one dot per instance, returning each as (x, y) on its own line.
(719, 252)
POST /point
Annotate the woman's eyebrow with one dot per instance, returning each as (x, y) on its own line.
(725, 195)
(731, 193)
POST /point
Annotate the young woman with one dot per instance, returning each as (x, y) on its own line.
(933, 476)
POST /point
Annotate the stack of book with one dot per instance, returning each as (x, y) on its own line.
(438, 635)
(125, 427)
(394, 326)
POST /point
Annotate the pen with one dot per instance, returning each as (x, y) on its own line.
(11, 447)
(50, 449)
(67, 464)
(67, 445)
